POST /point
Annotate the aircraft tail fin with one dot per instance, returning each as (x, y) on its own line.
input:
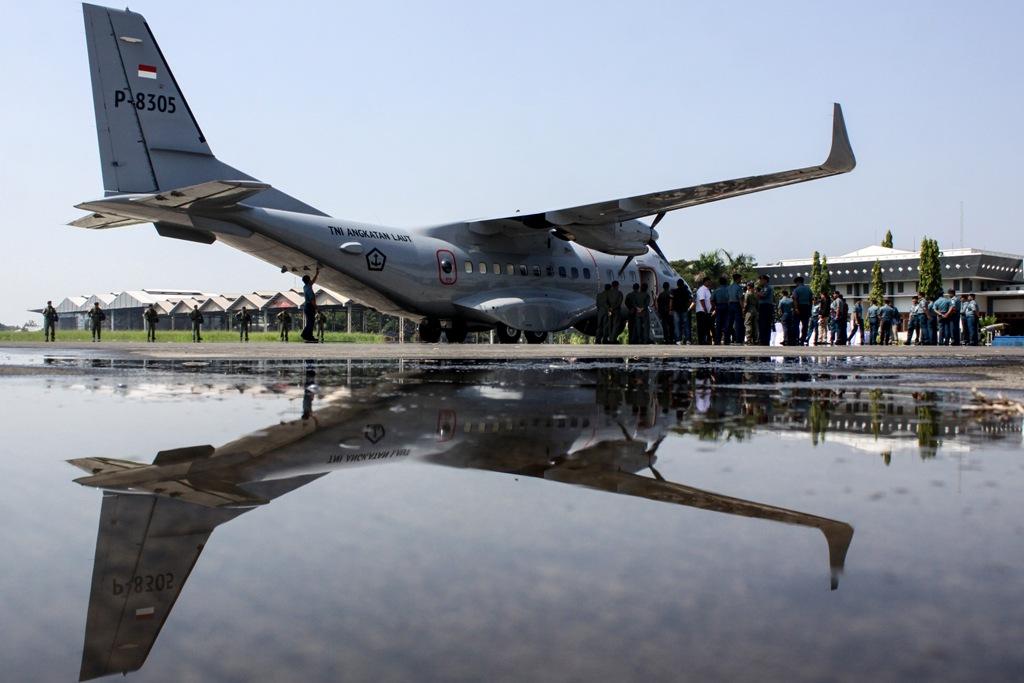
(149, 138)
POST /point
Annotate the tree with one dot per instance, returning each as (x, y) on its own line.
(825, 281)
(744, 264)
(815, 282)
(887, 242)
(877, 295)
(713, 265)
(929, 271)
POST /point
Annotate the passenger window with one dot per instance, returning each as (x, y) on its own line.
(482, 268)
(632, 275)
(522, 269)
(608, 274)
(561, 271)
(536, 271)
(586, 273)
(497, 269)
(510, 269)
(550, 270)
(575, 272)
(469, 266)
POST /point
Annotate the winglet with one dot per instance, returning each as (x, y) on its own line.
(840, 157)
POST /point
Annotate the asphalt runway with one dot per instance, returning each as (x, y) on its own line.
(983, 367)
(417, 351)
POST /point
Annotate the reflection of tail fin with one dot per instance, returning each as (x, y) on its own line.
(145, 549)
(148, 136)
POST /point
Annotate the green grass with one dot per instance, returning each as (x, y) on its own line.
(185, 337)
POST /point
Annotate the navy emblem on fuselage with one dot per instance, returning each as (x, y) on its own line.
(376, 259)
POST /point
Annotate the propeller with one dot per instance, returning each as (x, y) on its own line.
(653, 244)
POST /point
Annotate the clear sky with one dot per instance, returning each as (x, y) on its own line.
(416, 113)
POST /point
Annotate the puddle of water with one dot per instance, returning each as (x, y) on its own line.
(455, 521)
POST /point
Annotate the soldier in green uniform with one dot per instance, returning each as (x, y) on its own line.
(601, 303)
(646, 301)
(634, 304)
(96, 318)
(151, 317)
(750, 303)
(284, 323)
(244, 318)
(614, 313)
(197, 324)
(49, 322)
(320, 320)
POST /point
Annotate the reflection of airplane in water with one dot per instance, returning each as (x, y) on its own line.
(156, 518)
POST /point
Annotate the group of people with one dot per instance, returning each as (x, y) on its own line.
(95, 314)
(313, 319)
(672, 306)
(737, 312)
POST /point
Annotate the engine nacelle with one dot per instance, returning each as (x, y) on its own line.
(629, 238)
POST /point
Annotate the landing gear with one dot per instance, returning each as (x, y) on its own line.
(536, 337)
(506, 334)
(430, 331)
(456, 334)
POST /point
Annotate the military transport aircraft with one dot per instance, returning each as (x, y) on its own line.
(521, 275)
(156, 518)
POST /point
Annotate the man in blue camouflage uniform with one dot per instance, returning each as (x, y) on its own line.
(916, 321)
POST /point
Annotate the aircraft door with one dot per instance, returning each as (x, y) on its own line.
(447, 273)
(651, 278)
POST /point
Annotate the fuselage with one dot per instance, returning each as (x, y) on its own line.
(434, 271)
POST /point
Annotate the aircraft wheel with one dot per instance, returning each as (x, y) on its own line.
(536, 337)
(430, 331)
(506, 334)
(456, 334)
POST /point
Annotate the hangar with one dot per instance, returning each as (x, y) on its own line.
(125, 309)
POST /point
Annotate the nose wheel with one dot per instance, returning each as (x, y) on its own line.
(456, 334)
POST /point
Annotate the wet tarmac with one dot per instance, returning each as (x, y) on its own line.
(602, 519)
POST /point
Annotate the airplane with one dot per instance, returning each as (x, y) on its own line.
(523, 275)
(156, 518)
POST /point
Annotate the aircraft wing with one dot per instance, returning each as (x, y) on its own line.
(169, 206)
(838, 535)
(840, 160)
(145, 550)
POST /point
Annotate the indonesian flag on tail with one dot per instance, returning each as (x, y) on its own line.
(144, 613)
(147, 71)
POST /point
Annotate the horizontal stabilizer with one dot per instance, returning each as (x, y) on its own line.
(171, 206)
(96, 466)
(100, 221)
